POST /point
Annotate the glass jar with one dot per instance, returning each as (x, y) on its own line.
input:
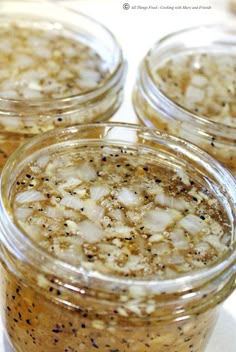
(232, 5)
(58, 68)
(195, 106)
(48, 303)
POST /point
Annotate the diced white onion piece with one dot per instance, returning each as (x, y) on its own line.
(53, 67)
(192, 224)
(6, 47)
(71, 182)
(34, 85)
(8, 84)
(170, 202)
(93, 211)
(117, 242)
(158, 219)
(86, 83)
(199, 80)
(133, 216)
(10, 121)
(69, 213)
(73, 251)
(23, 213)
(210, 91)
(30, 196)
(65, 74)
(214, 241)
(9, 94)
(42, 52)
(89, 231)
(160, 248)
(73, 202)
(106, 248)
(127, 197)
(119, 232)
(194, 94)
(227, 120)
(23, 61)
(137, 291)
(76, 242)
(179, 60)
(117, 214)
(98, 192)
(155, 189)
(179, 239)
(31, 94)
(175, 259)
(81, 192)
(69, 51)
(63, 173)
(87, 172)
(202, 248)
(183, 176)
(155, 238)
(36, 41)
(5, 74)
(226, 239)
(197, 263)
(54, 212)
(122, 229)
(89, 75)
(60, 245)
(51, 86)
(43, 160)
(72, 226)
(33, 230)
(133, 306)
(35, 169)
(134, 263)
(216, 228)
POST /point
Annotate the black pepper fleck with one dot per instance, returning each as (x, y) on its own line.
(28, 321)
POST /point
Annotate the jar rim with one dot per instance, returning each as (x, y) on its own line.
(179, 112)
(114, 76)
(183, 282)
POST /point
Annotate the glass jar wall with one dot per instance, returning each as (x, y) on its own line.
(88, 256)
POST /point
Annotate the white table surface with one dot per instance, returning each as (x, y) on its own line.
(137, 29)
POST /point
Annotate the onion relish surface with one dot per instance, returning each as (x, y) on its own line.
(48, 63)
(120, 212)
(203, 83)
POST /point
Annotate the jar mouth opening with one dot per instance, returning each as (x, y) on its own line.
(56, 265)
(179, 111)
(115, 72)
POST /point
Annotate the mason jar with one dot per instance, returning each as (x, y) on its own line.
(186, 86)
(58, 68)
(232, 5)
(114, 237)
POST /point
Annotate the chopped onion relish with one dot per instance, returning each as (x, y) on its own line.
(120, 212)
